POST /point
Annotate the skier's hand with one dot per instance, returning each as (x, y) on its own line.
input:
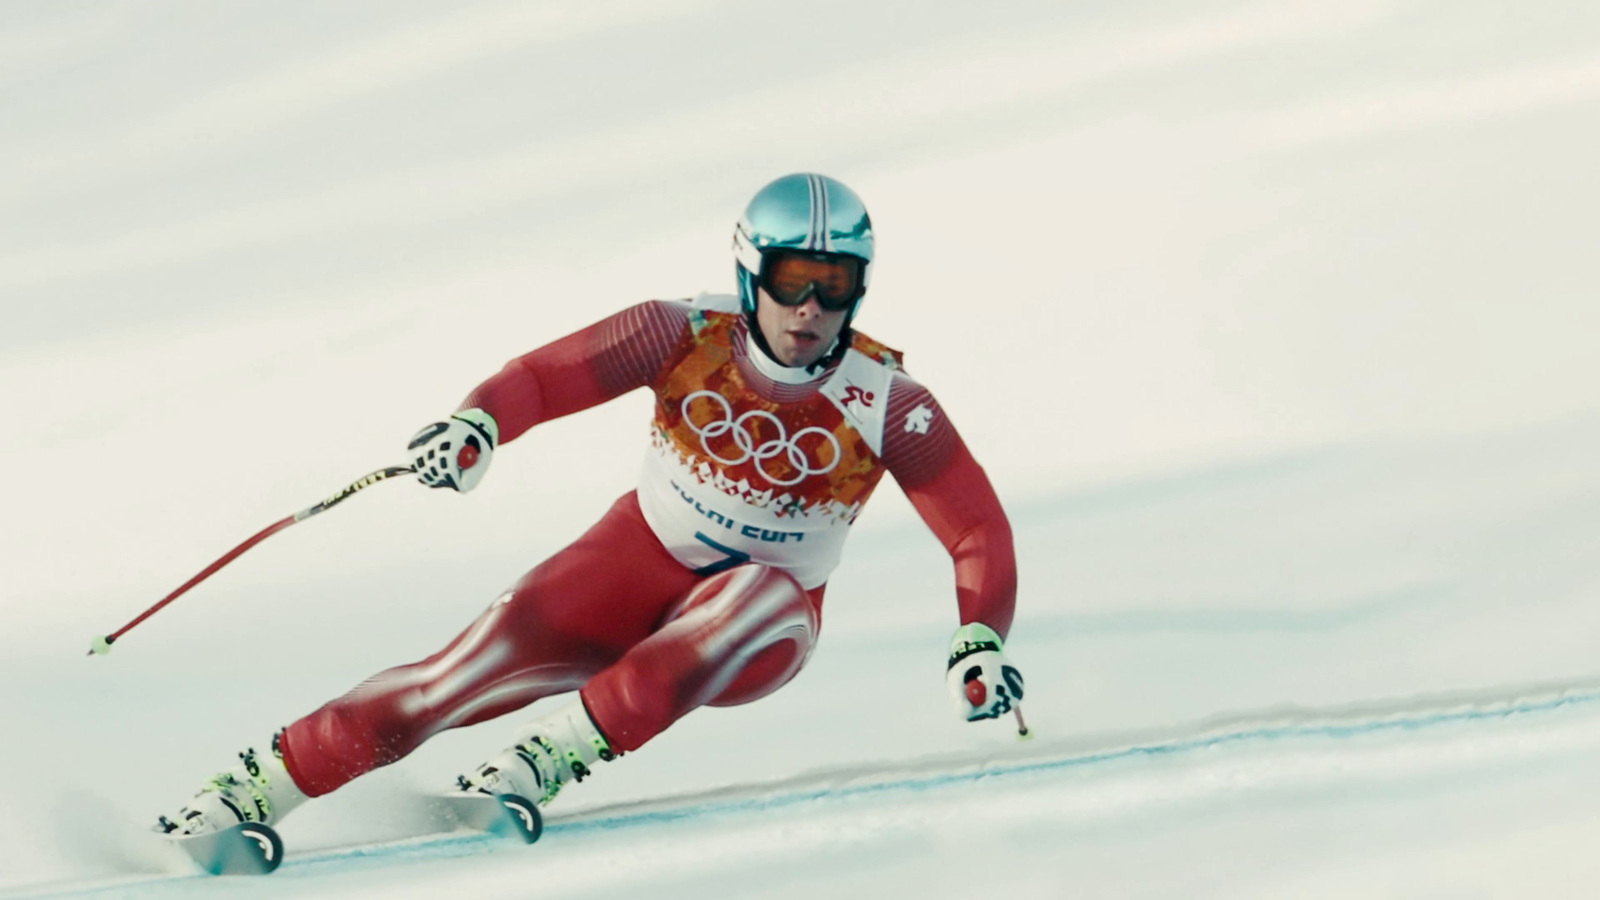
(983, 683)
(456, 452)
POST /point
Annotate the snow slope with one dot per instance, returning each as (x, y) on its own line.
(1310, 547)
(1396, 694)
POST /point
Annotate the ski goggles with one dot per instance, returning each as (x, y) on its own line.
(792, 277)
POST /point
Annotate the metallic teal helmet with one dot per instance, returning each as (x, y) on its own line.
(807, 212)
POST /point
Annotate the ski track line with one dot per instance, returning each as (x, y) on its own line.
(1271, 726)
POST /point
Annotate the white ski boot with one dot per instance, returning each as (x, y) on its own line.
(259, 790)
(548, 754)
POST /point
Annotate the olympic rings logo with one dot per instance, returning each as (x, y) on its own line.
(745, 441)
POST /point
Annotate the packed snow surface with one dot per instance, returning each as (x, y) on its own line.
(1273, 324)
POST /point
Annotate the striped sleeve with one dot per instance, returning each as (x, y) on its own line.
(583, 369)
(631, 347)
(917, 438)
(952, 494)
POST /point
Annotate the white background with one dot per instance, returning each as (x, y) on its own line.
(1273, 324)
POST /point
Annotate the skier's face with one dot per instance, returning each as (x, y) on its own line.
(798, 335)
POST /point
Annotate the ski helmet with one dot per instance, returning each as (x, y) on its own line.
(804, 211)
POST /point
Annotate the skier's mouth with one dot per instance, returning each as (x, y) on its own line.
(804, 337)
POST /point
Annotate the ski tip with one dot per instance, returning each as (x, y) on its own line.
(524, 816)
(266, 854)
(508, 815)
(249, 848)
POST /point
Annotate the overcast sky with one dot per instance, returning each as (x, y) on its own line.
(247, 249)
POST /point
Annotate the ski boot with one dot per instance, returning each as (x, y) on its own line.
(260, 790)
(548, 754)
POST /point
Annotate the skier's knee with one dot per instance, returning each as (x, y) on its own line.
(771, 668)
(776, 623)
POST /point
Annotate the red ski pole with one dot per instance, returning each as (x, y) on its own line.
(102, 643)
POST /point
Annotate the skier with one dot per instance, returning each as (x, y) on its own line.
(774, 421)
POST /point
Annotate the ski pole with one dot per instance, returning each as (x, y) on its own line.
(1022, 727)
(101, 644)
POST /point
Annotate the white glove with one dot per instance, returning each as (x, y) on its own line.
(982, 681)
(456, 452)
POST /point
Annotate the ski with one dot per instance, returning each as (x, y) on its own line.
(249, 848)
(507, 815)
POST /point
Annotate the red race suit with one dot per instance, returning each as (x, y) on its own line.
(704, 585)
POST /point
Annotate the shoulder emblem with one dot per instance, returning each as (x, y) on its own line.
(860, 389)
(919, 419)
